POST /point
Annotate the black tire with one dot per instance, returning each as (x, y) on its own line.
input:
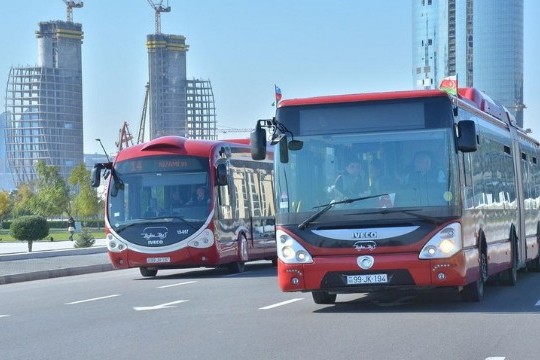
(510, 275)
(240, 265)
(475, 291)
(322, 297)
(146, 272)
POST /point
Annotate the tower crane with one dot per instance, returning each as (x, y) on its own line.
(70, 4)
(142, 123)
(159, 8)
(125, 139)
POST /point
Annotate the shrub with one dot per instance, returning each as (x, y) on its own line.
(29, 228)
(84, 239)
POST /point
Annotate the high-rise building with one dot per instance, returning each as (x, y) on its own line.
(44, 104)
(479, 41)
(6, 180)
(177, 106)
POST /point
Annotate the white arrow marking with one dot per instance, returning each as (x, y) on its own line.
(280, 304)
(158, 307)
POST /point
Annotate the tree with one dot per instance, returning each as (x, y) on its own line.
(21, 200)
(52, 198)
(85, 202)
(29, 228)
(4, 204)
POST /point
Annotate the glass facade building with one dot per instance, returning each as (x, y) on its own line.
(479, 41)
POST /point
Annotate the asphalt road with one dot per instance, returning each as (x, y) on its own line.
(210, 314)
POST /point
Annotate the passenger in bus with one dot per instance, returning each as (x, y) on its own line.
(379, 182)
(152, 210)
(426, 182)
(352, 183)
(200, 197)
(176, 200)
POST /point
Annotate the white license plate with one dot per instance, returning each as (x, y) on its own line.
(367, 279)
(157, 260)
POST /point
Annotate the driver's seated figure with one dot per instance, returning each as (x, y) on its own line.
(352, 182)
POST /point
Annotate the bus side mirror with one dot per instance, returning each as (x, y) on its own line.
(221, 175)
(258, 143)
(466, 139)
(283, 150)
(96, 175)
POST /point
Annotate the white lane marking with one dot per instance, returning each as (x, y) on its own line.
(280, 304)
(496, 358)
(158, 307)
(238, 274)
(537, 303)
(178, 284)
(1, 316)
(93, 299)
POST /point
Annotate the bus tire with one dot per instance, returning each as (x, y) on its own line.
(510, 275)
(323, 297)
(243, 256)
(474, 291)
(146, 272)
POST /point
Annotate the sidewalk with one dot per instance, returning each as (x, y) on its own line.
(50, 259)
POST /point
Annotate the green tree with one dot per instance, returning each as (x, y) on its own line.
(4, 204)
(85, 201)
(29, 228)
(21, 200)
(52, 195)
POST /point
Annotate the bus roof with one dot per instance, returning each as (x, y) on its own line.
(334, 99)
(177, 145)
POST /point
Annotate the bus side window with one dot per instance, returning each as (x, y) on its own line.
(224, 200)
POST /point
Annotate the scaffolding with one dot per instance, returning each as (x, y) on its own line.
(44, 105)
(201, 110)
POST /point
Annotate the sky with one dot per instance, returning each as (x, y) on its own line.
(244, 47)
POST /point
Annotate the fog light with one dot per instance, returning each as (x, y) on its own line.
(295, 281)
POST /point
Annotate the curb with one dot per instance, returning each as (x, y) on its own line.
(53, 253)
(49, 274)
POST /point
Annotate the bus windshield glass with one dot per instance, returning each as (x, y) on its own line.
(406, 165)
(159, 188)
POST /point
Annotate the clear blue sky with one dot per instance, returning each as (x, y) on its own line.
(307, 47)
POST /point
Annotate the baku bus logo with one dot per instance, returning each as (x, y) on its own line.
(365, 245)
(155, 233)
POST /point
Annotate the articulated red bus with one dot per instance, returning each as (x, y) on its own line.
(402, 190)
(175, 203)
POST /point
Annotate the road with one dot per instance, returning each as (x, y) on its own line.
(210, 314)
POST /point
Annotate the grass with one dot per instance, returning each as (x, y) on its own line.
(55, 234)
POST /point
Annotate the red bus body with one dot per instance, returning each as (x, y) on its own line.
(478, 217)
(235, 224)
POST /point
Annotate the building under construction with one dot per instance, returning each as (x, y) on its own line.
(44, 111)
(177, 106)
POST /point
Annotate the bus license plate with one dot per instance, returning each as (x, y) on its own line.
(367, 279)
(157, 260)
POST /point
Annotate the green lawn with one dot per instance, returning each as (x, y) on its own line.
(56, 234)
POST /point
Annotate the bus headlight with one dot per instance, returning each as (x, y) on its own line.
(290, 251)
(444, 244)
(114, 244)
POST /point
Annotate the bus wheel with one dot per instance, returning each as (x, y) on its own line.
(146, 272)
(510, 275)
(322, 297)
(239, 266)
(475, 290)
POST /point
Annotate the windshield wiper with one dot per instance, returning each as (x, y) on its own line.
(330, 205)
(159, 219)
(411, 211)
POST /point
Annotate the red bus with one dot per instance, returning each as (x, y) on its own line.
(174, 203)
(401, 190)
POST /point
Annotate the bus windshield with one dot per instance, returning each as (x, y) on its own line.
(159, 188)
(409, 169)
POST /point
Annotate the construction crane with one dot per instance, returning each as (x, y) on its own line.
(142, 124)
(125, 139)
(159, 8)
(70, 4)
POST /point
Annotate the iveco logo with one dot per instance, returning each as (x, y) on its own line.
(365, 245)
(364, 235)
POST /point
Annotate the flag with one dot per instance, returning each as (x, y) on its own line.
(450, 85)
(278, 93)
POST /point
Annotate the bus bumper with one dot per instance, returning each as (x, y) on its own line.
(342, 274)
